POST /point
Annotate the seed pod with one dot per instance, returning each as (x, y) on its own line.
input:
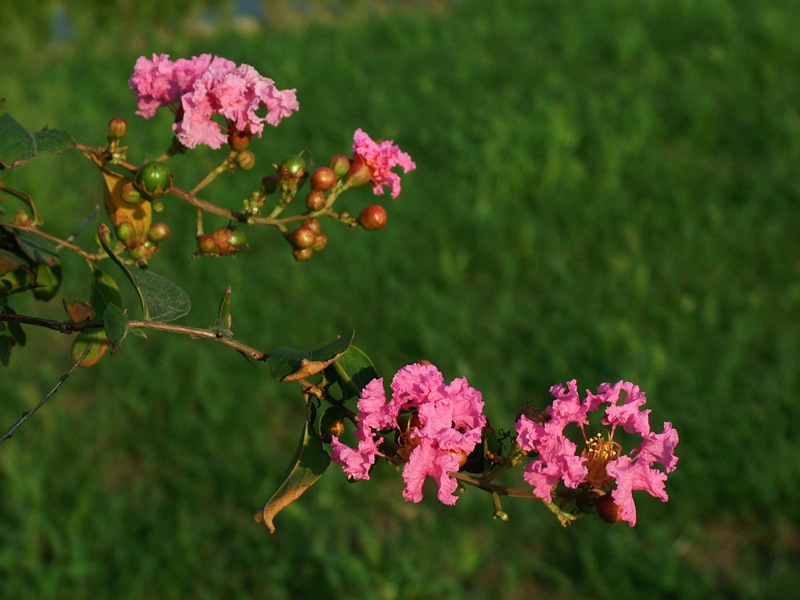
(153, 179)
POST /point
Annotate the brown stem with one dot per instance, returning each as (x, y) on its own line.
(192, 332)
(52, 238)
(493, 487)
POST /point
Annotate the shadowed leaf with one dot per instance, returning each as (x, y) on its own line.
(288, 364)
(310, 462)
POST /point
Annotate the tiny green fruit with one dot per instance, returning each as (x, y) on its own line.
(125, 231)
(295, 166)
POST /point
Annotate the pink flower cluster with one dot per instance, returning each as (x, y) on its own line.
(205, 86)
(380, 158)
(438, 425)
(602, 463)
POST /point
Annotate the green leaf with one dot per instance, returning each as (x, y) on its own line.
(354, 370)
(18, 145)
(161, 299)
(5, 349)
(288, 364)
(10, 262)
(48, 280)
(99, 346)
(35, 247)
(116, 326)
(309, 463)
(104, 291)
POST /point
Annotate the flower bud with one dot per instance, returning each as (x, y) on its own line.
(339, 164)
(158, 232)
(323, 179)
(313, 224)
(372, 217)
(117, 128)
(315, 200)
(302, 255)
(322, 241)
(246, 160)
(303, 237)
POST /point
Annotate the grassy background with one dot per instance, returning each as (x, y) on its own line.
(604, 191)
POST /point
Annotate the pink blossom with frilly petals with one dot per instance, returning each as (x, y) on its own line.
(447, 426)
(381, 158)
(161, 82)
(206, 86)
(559, 460)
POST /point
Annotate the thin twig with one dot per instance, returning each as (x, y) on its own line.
(53, 238)
(25, 416)
(192, 332)
(492, 487)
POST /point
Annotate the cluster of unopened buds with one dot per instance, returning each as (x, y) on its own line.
(438, 430)
(217, 102)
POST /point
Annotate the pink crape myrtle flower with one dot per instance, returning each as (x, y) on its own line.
(204, 86)
(380, 158)
(437, 425)
(602, 462)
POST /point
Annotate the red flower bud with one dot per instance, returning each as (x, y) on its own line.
(304, 237)
(315, 200)
(372, 217)
(323, 179)
(302, 255)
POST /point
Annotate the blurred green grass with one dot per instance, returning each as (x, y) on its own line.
(604, 191)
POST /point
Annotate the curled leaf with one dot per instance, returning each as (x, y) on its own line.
(288, 364)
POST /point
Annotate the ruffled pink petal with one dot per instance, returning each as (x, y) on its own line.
(427, 460)
(634, 476)
(660, 448)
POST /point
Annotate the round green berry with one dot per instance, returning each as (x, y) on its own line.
(153, 179)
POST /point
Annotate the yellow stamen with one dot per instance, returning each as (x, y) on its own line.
(598, 454)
